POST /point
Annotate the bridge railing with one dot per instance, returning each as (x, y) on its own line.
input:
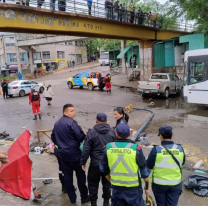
(98, 9)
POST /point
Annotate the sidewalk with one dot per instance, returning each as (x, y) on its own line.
(121, 80)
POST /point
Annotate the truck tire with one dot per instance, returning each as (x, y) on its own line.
(166, 93)
(144, 95)
(90, 86)
(70, 85)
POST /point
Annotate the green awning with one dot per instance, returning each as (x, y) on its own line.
(123, 52)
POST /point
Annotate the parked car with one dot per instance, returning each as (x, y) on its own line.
(82, 79)
(23, 87)
(160, 84)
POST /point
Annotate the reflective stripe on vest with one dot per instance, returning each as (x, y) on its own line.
(166, 171)
(129, 179)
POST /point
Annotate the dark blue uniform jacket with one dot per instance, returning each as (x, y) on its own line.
(67, 135)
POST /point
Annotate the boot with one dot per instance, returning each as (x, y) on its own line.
(93, 203)
(109, 91)
(106, 202)
(35, 118)
(39, 116)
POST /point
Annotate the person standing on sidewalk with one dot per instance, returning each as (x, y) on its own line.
(89, 3)
(34, 98)
(165, 163)
(96, 139)
(4, 86)
(48, 93)
(67, 136)
(124, 164)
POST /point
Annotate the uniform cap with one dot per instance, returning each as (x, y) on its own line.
(123, 130)
(165, 131)
(101, 117)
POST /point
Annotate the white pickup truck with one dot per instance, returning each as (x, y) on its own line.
(160, 84)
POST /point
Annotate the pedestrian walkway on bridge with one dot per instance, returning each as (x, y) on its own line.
(81, 19)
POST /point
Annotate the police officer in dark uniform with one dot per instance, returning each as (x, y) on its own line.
(67, 136)
(122, 163)
(4, 86)
(96, 139)
(166, 162)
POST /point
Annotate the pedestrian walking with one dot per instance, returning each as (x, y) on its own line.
(4, 86)
(48, 94)
(52, 5)
(34, 99)
(96, 139)
(62, 5)
(73, 63)
(108, 83)
(89, 3)
(67, 136)
(165, 162)
(124, 165)
(120, 116)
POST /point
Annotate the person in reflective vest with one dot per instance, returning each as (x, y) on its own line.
(166, 162)
(122, 164)
(34, 98)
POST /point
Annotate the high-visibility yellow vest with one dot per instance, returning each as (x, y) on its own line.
(122, 164)
(166, 171)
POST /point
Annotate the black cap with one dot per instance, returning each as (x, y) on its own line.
(101, 117)
(123, 130)
(165, 131)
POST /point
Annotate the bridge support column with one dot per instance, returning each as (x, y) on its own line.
(31, 60)
(123, 45)
(146, 59)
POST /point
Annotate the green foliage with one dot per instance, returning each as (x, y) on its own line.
(93, 45)
(193, 10)
(110, 44)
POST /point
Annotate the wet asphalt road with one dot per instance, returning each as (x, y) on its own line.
(189, 122)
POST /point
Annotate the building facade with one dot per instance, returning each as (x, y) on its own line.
(61, 54)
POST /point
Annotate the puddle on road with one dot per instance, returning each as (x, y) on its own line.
(128, 89)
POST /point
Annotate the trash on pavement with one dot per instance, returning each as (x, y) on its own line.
(199, 171)
(199, 184)
(24, 127)
(152, 103)
(145, 143)
(190, 154)
(48, 181)
(37, 150)
(199, 165)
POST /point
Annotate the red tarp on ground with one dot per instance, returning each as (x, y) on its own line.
(15, 177)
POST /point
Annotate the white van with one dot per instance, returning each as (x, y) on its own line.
(104, 59)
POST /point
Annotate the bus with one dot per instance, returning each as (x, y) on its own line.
(104, 59)
(195, 88)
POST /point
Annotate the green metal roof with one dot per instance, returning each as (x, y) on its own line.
(123, 52)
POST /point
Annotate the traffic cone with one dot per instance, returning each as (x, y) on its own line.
(0, 92)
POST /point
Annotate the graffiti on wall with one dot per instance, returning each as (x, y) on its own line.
(33, 18)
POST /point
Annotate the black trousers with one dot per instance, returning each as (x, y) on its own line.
(89, 9)
(5, 93)
(68, 169)
(93, 178)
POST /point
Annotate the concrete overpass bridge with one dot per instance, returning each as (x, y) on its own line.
(23, 19)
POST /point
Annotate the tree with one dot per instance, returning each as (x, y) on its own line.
(193, 10)
(110, 44)
(92, 46)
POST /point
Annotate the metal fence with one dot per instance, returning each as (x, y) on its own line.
(98, 9)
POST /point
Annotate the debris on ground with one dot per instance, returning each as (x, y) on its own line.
(190, 154)
(151, 103)
(3, 135)
(199, 184)
(145, 143)
(24, 127)
(48, 181)
(199, 165)
(199, 171)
